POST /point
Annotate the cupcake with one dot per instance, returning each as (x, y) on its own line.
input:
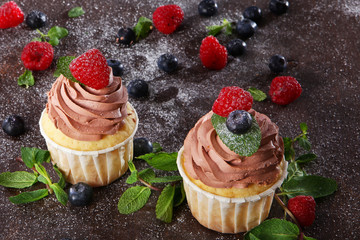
(232, 162)
(88, 123)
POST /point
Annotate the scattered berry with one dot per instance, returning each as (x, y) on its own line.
(279, 6)
(239, 121)
(117, 67)
(284, 90)
(246, 28)
(207, 8)
(36, 19)
(168, 18)
(236, 47)
(142, 146)
(91, 69)
(167, 62)
(13, 125)
(253, 13)
(10, 15)
(277, 63)
(231, 99)
(138, 88)
(213, 55)
(80, 194)
(303, 208)
(37, 55)
(126, 36)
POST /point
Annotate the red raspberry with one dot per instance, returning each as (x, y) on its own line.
(213, 55)
(231, 99)
(37, 55)
(303, 208)
(91, 69)
(167, 18)
(284, 90)
(10, 15)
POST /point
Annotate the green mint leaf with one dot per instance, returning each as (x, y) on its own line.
(214, 30)
(303, 127)
(61, 181)
(166, 179)
(30, 156)
(42, 171)
(27, 197)
(294, 170)
(142, 28)
(306, 158)
(131, 166)
(76, 12)
(62, 67)
(161, 160)
(36, 39)
(156, 147)
(312, 185)
(257, 94)
(179, 196)
(54, 41)
(164, 205)
(19, 179)
(253, 237)
(147, 175)
(133, 199)
(57, 32)
(133, 178)
(304, 143)
(243, 144)
(228, 27)
(289, 151)
(42, 179)
(60, 194)
(26, 79)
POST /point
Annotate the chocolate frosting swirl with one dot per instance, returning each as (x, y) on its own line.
(207, 159)
(84, 113)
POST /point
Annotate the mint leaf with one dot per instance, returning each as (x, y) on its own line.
(304, 143)
(257, 94)
(147, 175)
(60, 194)
(62, 67)
(214, 29)
(166, 179)
(274, 229)
(30, 156)
(26, 79)
(228, 28)
(76, 12)
(303, 127)
(19, 179)
(164, 205)
(253, 237)
(289, 151)
(142, 28)
(179, 196)
(131, 166)
(57, 32)
(61, 181)
(54, 41)
(27, 197)
(133, 199)
(312, 185)
(243, 144)
(306, 158)
(161, 160)
(294, 170)
(41, 170)
(156, 147)
(42, 179)
(133, 178)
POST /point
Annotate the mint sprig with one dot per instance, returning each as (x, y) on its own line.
(62, 67)
(161, 160)
(216, 29)
(257, 94)
(76, 12)
(26, 79)
(53, 36)
(142, 28)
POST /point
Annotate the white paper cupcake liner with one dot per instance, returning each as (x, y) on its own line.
(96, 168)
(228, 215)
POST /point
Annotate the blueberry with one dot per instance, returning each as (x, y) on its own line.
(80, 194)
(36, 19)
(167, 62)
(253, 13)
(117, 67)
(246, 28)
(138, 88)
(207, 8)
(277, 63)
(239, 121)
(236, 47)
(13, 125)
(126, 36)
(142, 146)
(279, 6)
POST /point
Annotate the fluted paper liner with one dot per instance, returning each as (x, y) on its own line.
(227, 215)
(96, 168)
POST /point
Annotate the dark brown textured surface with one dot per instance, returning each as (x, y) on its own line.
(320, 37)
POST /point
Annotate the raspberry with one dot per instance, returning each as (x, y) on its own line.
(91, 69)
(10, 15)
(37, 55)
(303, 208)
(231, 99)
(213, 55)
(284, 90)
(167, 18)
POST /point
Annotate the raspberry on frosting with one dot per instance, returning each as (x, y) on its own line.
(168, 18)
(10, 15)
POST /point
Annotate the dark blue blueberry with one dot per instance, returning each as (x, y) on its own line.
(246, 28)
(36, 19)
(277, 64)
(167, 62)
(13, 125)
(239, 121)
(236, 47)
(80, 194)
(207, 8)
(279, 6)
(138, 88)
(142, 146)
(117, 67)
(126, 36)
(253, 13)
